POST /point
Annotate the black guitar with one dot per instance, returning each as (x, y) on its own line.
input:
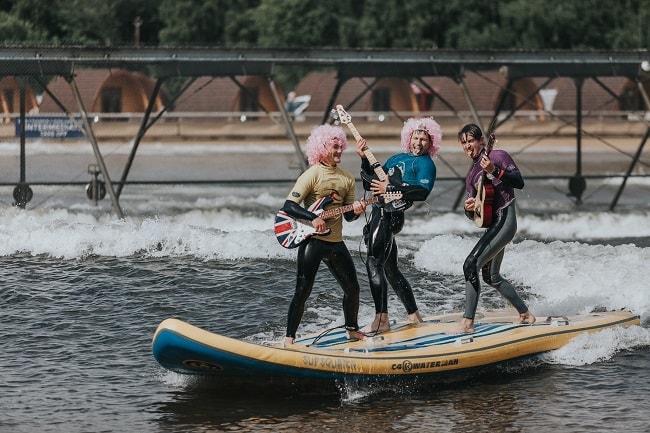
(395, 179)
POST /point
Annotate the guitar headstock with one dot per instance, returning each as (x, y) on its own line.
(343, 115)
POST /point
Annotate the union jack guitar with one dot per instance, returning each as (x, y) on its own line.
(292, 232)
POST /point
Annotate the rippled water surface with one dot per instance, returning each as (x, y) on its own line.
(76, 357)
(82, 294)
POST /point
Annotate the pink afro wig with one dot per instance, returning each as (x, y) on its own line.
(427, 124)
(319, 137)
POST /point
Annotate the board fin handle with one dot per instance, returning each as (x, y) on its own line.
(557, 320)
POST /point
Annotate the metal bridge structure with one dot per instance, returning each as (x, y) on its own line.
(40, 64)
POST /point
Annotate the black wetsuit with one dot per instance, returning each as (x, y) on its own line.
(339, 261)
(381, 262)
(323, 181)
(413, 177)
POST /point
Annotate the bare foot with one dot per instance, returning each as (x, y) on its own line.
(380, 323)
(356, 335)
(466, 326)
(415, 318)
(288, 341)
(527, 317)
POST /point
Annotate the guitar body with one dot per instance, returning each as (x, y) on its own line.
(483, 211)
(395, 203)
(484, 198)
(291, 232)
(395, 179)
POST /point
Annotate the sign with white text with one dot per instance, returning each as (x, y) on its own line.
(50, 127)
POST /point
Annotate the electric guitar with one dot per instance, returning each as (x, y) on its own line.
(291, 232)
(395, 205)
(484, 193)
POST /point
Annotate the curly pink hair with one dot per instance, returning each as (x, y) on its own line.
(319, 137)
(426, 124)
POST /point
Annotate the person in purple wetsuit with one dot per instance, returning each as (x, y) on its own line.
(487, 255)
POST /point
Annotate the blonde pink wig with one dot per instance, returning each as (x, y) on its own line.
(316, 146)
(425, 124)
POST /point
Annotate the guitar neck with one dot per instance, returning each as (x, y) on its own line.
(354, 131)
(343, 209)
(376, 166)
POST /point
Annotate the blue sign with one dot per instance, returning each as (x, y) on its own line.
(50, 127)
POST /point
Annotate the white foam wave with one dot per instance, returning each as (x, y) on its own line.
(562, 277)
(568, 226)
(567, 277)
(590, 348)
(70, 235)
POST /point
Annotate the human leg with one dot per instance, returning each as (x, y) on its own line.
(378, 242)
(492, 243)
(472, 283)
(492, 276)
(309, 257)
(492, 269)
(471, 267)
(401, 286)
(340, 263)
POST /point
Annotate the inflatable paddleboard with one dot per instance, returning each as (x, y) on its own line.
(419, 350)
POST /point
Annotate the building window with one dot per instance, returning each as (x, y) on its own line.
(381, 99)
(248, 99)
(111, 100)
(9, 98)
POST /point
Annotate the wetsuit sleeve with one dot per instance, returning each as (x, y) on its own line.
(350, 198)
(365, 166)
(513, 178)
(295, 210)
(350, 216)
(410, 192)
(507, 171)
(368, 171)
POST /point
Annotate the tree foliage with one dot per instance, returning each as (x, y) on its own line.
(450, 24)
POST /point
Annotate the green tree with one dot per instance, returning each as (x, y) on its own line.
(240, 28)
(474, 24)
(193, 22)
(296, 23)
(450, 24)
(90, 21)
(631, 28)
(399, 24)
(13, 29)
(124, 14)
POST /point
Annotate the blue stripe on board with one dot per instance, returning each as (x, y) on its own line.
(438, 339)
(332, 338)
(338, 336)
